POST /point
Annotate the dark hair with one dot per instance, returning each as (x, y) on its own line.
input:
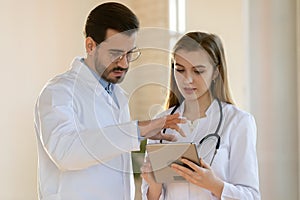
(110, 15)
(212, 44)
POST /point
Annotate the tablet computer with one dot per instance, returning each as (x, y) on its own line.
(161, 156)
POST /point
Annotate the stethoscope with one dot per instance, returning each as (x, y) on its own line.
(213, 136)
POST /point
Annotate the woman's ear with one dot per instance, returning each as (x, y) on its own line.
(215, 74)
(90, 45)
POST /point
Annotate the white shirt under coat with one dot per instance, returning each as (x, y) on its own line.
(236, 160)
(84, 139)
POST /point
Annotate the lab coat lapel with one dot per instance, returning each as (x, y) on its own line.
(120, 112)
(124, 114)
(86, 76)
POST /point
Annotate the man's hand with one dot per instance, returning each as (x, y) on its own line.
(152, 128)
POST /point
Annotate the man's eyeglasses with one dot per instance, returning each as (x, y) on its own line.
(132, 55)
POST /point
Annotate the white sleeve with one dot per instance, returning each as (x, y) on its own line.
(69, 144)
(243, 181)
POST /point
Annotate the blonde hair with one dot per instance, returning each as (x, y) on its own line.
(212, 44)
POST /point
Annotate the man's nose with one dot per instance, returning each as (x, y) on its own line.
(123, 62)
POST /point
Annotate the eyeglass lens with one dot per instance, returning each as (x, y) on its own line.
(130, 56)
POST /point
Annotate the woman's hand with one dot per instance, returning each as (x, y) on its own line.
(201, 176)
(147, 172)
(155, 188)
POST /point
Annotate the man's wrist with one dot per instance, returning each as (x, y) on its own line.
(140, 137)
(142, 128)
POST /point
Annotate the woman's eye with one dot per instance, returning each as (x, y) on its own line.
(179, 70)
(199, 72)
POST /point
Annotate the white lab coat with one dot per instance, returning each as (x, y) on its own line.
(84, 139)
(236, 160)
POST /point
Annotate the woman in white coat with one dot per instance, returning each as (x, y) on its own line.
(200, 93)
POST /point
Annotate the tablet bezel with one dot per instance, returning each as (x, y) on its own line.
(161, 156)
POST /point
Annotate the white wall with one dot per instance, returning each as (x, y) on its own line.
(38, 40)
(227, 20)
(273, 69)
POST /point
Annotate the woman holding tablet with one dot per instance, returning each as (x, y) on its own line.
(224, 134)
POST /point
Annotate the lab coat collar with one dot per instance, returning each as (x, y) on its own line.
(85, 74)
(213, 108)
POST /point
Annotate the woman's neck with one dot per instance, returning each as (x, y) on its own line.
(195, 109)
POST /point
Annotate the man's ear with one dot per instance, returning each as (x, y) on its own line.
(90, 45)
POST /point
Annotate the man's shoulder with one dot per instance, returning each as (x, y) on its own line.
(65, 79)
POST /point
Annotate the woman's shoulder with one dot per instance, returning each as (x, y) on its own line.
(233, 111)
(239, 122)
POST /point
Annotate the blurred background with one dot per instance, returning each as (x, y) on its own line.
(39, 39)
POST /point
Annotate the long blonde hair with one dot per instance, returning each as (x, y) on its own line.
(212, 44)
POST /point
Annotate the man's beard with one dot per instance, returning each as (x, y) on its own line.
(105, 74)
(105, 69)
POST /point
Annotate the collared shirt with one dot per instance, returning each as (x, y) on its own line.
(109, 87)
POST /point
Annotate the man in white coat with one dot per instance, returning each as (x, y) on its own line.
(82, 118)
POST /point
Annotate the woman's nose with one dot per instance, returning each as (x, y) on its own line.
(188, 78)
